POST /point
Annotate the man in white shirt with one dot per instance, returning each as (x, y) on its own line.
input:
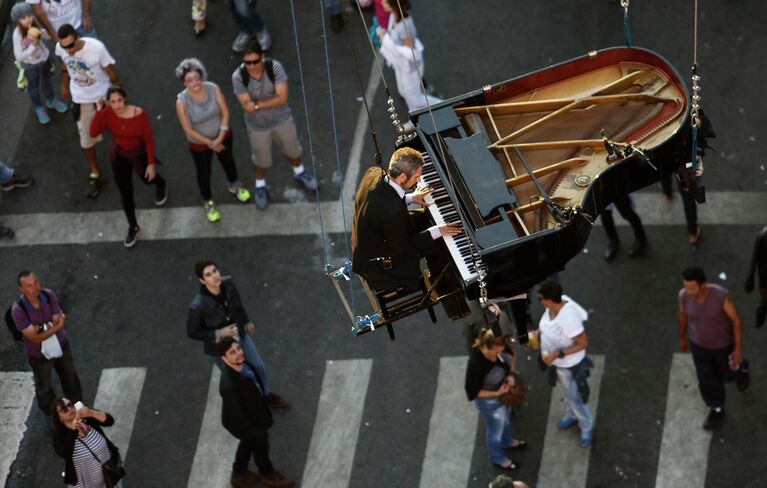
(87, 72)
(52, 14)
(563, 342)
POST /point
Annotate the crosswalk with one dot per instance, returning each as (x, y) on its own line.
(452, 429)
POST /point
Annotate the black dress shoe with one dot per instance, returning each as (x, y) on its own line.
(336, 22)
(714, 419)
(638, 248)
(612, 250)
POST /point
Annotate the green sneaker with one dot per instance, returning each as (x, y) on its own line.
(241, 193)
(21, 81)
(211, 212)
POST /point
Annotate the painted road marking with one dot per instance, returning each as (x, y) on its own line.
(212, 463)
(301, 219)
(118, 394)
(684, 448)
(452, 429)
(17, 390)
(336, 427)
(564, 464)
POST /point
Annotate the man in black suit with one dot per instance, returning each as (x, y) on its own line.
(245, 414)
(388, 241)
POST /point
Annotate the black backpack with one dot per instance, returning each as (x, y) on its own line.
(268, 68)
(9, 322)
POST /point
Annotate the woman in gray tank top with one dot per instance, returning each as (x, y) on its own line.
(204, 117)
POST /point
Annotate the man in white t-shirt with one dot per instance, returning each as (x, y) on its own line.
(563, 342)
(87, 72)
(55, 13)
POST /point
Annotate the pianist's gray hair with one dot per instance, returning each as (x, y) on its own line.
(404, 160)
(191, 64)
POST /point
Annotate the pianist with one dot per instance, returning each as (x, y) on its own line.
(388, 241)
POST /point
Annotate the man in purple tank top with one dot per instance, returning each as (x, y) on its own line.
(711, 327)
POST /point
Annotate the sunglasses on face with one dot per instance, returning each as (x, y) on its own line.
(67, 406)
(253, 62)
(69, 46)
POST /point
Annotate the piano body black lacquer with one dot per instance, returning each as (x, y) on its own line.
(524, 163)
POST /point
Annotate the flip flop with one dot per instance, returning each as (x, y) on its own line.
(520, 445)
(510, 467)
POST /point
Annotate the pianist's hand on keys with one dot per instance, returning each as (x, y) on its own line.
(449, 230)
(421, 195)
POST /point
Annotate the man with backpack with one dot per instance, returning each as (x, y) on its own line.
(40, 322)
(261, 86)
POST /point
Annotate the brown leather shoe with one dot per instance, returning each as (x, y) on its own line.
(246, 478)
(277, 479)
(276, 401)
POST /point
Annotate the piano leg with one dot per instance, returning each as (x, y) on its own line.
(520, 314)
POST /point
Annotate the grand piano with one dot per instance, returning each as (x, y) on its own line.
(528, 164)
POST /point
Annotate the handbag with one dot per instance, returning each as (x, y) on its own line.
(516, 394)
(113, 469)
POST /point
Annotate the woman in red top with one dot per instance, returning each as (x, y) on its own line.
(132, 150)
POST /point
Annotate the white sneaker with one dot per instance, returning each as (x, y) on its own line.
(242, 38)
(264, 39)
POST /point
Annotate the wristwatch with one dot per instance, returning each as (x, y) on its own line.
(561, 353)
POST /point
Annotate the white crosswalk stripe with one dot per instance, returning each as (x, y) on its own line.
(215, 446)
(337, 425)
(564, 464)
(452, 429)
(16, 394)
(119, 393)
(684, 448)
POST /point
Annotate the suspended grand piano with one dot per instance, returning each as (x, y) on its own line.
(524, 166)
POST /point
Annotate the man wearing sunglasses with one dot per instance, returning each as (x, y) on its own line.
(261, 86)
(87, 71)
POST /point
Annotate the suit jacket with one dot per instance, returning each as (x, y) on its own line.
(383, 227)
(244, 412)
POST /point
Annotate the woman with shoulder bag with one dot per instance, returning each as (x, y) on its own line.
(488, 377)
(92, 461)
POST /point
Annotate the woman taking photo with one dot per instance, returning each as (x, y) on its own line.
(204, 117)
(487, 379)
(79, 440)
(132, 151)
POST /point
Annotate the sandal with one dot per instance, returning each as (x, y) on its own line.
(509, 467)
(519, 445)
(199, 27)
(692, 239)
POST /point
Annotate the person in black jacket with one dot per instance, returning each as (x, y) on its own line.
(245, 414)
(758, 267)
(217, 312)
(388, 241)
(79, 440)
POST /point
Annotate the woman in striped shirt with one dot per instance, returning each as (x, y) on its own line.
(78, 439)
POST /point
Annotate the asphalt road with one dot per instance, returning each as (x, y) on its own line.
(129, 308)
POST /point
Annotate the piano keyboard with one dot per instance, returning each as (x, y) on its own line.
(443, 211)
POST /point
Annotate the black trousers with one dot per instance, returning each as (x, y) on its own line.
(65, 369)
(260, 452)
(122, 168)
(203, 161)
(623, 204)
(713, 369)
(688, 203)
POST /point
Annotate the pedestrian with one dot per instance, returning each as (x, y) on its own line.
(563, 341)
(199, 12)
(250, 24)
(710, 327)
(403, 52)
(39, 317)
(503, 481)
(488, 377)
(132, 152)
(261, 86)
(334, 9)
(204, 116)
(624, 204)
(86, 73)
(217, 312)
(53, 14)
(30, 51)
(79, 439)
(759, 266)
(10, 179)
(245, 414)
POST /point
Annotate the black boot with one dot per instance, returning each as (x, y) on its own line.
(638, 248)
(714, 419)
(612, 249)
